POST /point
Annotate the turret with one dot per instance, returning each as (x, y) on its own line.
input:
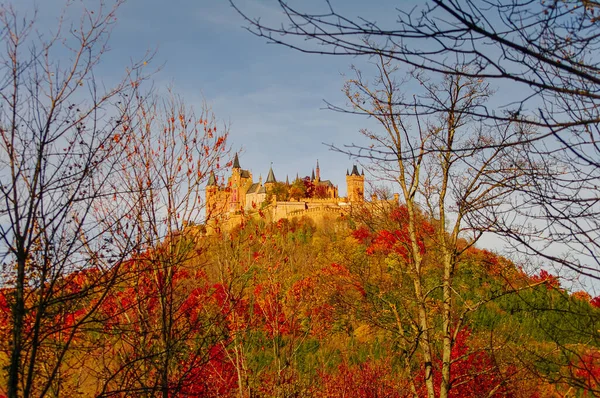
(211, 193)
(238, 184)
(270, 182)
(212, 180)
(355, 183)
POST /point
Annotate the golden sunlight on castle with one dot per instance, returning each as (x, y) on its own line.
(312, 197)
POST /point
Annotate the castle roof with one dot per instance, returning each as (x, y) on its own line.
(326, 183)
(236, 162)
(211, 179)
(253, 188)
(270, 177)
(355, 171)
(245, 174)
(262, 189)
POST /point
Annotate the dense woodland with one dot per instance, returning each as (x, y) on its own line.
(288, 309)
(112, 284)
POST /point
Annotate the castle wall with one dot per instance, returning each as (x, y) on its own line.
(283, 209)
(320, 215)
(254, 200)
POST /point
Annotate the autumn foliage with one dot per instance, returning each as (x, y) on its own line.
(291, 310)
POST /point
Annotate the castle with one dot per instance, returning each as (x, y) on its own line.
(311, 197)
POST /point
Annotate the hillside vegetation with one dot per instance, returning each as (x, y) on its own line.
(291, 310)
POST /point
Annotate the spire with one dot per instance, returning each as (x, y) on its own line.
(318, 174)
(287, 180)
(271, 176)
(211, 179)
(355, 171)
(363, 172)
(347, 172)
(313, 175)
(236, 162)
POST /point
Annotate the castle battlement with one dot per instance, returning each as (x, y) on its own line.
(322, 200)
(315, 210)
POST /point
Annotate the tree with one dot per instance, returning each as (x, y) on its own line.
(449, 169)
(169, 152)
(280, 190)
(58, 128)
(298, 189)
(541, 55)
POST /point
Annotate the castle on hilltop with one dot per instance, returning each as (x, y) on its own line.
(312, 197)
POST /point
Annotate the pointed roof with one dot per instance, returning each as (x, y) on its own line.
(211, 179)
(355, 171)
(287, 180)
(313, 175)
(236, 162)
(271, 176)
(347, 172)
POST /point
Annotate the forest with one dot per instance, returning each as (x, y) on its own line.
(113, 286)
(289, 309)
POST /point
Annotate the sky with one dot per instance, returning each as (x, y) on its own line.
(271, 97)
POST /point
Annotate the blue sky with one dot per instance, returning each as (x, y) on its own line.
(271, 96)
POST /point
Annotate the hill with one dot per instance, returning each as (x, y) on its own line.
(288, 309)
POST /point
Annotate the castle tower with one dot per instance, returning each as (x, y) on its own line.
(211, 194)
(355, 182)
(234, 184)
(239, 182)
(318, 173)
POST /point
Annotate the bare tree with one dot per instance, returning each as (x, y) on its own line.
(57, 130)
(449, 169)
